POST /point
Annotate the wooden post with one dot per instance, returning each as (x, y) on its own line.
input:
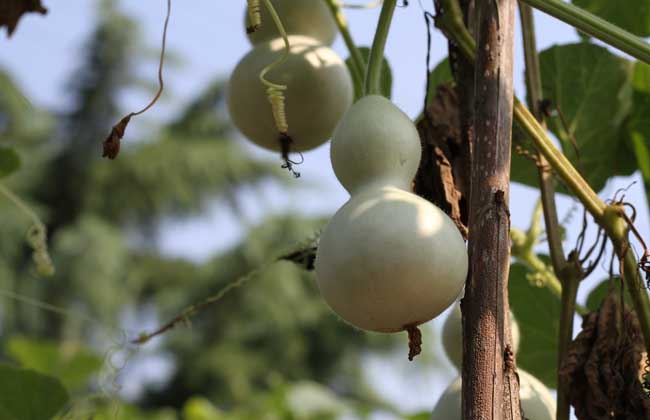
(490, 384)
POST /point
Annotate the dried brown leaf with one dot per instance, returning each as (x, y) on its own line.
(442, 176)
(12, 10)
(601, 368)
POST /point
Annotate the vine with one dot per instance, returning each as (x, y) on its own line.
(112, 143)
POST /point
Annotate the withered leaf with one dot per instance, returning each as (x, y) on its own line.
(443, 174)
(601, 368)
(12, 10)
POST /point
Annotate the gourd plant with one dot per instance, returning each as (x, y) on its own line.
(386, 242)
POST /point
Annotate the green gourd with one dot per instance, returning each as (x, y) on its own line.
(319, 91)
(311, 18)
(388, 260)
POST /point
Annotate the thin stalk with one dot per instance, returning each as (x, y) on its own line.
(569, 275)
(581, 189)
(357, 63)
(594, 26)
(524, 252)
(373, 74)
(20, 204)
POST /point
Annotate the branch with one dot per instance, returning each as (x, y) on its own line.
(569, 275)
(594, 26)
(304, 257)
(490, 384)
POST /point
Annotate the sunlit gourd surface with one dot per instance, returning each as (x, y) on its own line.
(319, 91)
(388, 259)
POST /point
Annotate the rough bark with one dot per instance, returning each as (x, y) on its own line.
(490, 383)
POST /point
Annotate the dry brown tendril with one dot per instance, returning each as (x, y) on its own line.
(111, 144)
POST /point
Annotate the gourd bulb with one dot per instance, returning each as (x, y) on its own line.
(388, 260)
(452, 336)
(537, 402)
(319, 91)
(299, 17)
(375, 142)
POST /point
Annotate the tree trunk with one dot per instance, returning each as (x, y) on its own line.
(490, 383)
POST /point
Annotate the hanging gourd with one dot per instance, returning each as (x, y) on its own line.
(319, 91)
(311, 18)
(388, 260)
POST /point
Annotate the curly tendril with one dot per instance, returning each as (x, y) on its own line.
(275, 92)
(36, 235)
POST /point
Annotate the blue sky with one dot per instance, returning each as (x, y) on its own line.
(208, 37)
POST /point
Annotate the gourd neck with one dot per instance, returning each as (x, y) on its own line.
(379, 184)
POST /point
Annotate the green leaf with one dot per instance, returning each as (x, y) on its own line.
(641, 77)
(440, 74)
(639, 123)
(27, 395)
(386, 73)
(424, 415)
(68, 361)
(9, 161)
(599, 293)
(537, 312)
(307, 400)
(128, 412)
(593, 90)
(197, 408)
(632, 15)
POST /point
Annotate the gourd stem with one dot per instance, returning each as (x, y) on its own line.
(569, 275)
(357, 62)
(578, 186)
(595, 26)
(373, 74)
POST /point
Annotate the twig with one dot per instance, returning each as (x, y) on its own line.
(113, 141)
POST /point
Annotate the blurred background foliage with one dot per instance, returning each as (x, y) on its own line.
(270, 349)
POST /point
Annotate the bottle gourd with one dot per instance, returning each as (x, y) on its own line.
(311, 18)
(388, 260)
(319, 92)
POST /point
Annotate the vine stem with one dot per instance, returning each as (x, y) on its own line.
(568, 274)
(373, 74)
(357, 62)
(20, 204)
(603, 215)
(594, 26)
